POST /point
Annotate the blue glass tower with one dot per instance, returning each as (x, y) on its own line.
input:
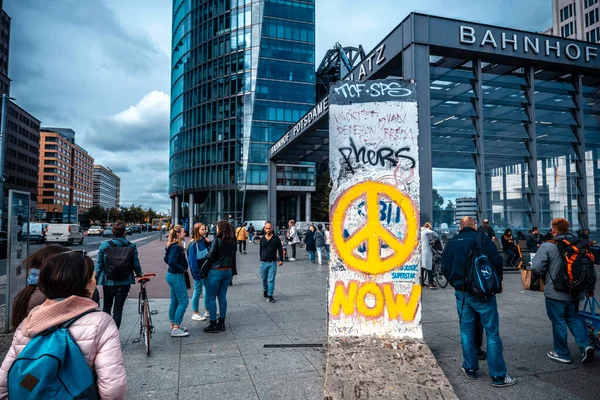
(242, 73)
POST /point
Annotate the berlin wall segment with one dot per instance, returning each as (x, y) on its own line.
(373, 153)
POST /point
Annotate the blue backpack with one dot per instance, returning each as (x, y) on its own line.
(52, 366)
(481, 277)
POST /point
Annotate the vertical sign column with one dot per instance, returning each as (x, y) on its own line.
(373, 156)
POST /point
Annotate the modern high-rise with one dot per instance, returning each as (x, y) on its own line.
(242, 72)
(66, 176)
(107, 187)
(576, 19)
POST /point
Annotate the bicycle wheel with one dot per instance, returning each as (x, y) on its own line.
(146, 327)
(439, 277)
(256, 240)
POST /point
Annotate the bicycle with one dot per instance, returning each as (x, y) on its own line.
(146, 327)
(438, 275)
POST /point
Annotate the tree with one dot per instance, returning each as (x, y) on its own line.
(96, 213)
(448, 216)
(320, 200)
(438, 200)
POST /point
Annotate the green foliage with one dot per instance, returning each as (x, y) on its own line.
(438, 200)
(320, 199)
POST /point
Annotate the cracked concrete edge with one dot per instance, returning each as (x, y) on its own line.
(372, 368)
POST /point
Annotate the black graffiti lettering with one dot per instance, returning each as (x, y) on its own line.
(354, 156)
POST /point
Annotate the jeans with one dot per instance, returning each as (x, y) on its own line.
(311, 255)
(268, 272)
(216, 285)
(293, 250)
(119, 295)
(328, 250)
(468, 306)
(198, 285)
(513, 256)
(251, 236)
(562, 314)
(429, 273)
(320, 254)
(179, 297)
(242, 243)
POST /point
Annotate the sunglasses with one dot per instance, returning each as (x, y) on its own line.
(83, 253)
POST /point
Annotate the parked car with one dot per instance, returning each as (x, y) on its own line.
(95, 230)
(37, 232)
(64, 234)
(108, 233)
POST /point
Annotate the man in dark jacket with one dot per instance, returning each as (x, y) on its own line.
(561, 307)
(486, 228)
(456, 258)
(533, 239)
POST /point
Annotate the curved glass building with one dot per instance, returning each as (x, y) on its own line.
(242, 72)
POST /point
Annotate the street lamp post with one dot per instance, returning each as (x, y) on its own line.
(5, 99)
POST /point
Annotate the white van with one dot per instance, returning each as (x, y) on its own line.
(64, 234)
(37, 231)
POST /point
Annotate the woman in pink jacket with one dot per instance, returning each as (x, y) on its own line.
(67, 281)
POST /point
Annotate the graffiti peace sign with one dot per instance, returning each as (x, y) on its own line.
(373, 232)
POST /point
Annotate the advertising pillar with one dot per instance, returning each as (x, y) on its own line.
(374, 210)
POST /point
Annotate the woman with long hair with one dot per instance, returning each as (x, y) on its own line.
(223, 263)
(67, 281)
(197, 251)
(31, 296)
(175, 258)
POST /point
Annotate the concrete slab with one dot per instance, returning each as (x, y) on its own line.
(383, 369)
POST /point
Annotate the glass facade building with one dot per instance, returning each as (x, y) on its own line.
(516, 113)
(242, 72)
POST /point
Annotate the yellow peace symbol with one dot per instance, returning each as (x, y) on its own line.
(372, 231)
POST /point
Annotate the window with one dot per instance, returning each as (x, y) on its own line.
(589, 3)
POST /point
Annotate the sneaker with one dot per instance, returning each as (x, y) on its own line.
(320, 263)
(292, 259)
(178, 333)
(270, 299)
(552, 355)
(588, 355)
(433, 286)
(206, 315)
(198, 317)
(469, 373)
(245, 252)
(503, 381)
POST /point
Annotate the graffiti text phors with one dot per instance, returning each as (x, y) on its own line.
(352, 300)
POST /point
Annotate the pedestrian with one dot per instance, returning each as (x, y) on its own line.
(561, 307)
(533, 239)
(427, 235)
(178, 265)
(309, 240)
(67, 281)
(293, 238)
(456, 258)
(241, 235)
(282, 236)
(116, 264)
(31, 296)
(163, 228)
(197, 251)
(270, 247)
(327, 235)
(509, 246)
(319, 243)
(486, 228)
(251, 231)
(222, 258)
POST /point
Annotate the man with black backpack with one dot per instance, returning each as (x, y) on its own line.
(568, 268)
(115, 267)
(472, 264)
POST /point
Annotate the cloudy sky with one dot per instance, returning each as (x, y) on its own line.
(102, 68)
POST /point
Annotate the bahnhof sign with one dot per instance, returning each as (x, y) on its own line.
(520, 110)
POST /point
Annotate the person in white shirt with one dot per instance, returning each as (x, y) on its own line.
(293, 238)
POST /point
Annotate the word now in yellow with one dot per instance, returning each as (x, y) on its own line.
(351, 300)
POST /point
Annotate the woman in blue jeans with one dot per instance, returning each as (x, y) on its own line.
(197, 251)
(222, 258)
(175, 258)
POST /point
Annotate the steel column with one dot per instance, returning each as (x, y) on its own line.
(579, 147)
(531, 146)
(176, 217)
(415, 65)
(190, 212)
(478, 156)
(308, 206)
(272, 191)
(298, 201)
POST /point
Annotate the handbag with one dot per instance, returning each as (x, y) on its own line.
(532, 281)
(207, 265)
(188, 282)
(591, 319)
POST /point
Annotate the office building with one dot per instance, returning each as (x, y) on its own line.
(107, 187)
(4, 51)
(242, 72)
(576, 19)
(517, 110)
(465, 207)
(65, 185)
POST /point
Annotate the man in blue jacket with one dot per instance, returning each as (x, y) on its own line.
(116, 290)
(456, 258)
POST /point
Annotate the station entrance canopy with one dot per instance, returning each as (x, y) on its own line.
(518, 108)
